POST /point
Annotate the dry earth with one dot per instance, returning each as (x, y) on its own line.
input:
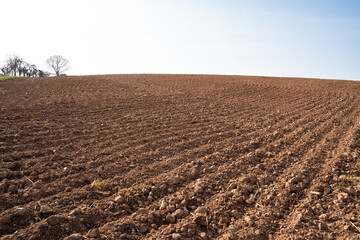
(179, 157)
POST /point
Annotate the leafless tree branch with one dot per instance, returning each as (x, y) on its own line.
(58, 64)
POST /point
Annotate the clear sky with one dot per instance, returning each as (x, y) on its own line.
(304, 38)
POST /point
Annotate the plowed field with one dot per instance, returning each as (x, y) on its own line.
(179, 157)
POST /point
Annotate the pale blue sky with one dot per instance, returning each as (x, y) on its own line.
(307, 38)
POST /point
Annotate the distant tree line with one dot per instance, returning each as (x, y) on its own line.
(16, 66)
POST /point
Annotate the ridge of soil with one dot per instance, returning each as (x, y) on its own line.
(179, 157)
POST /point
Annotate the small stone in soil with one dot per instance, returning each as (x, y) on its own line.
(45, 209)
(37, 185)
(343, 196)
(142, 211)
(198, 189)
(55, 220)
(170, 218)
(194, 172)
(202, 210)
(176, 236)
(203, 235)
(75, 236)
(235, 213)
(232, 186)
(179, 213)
(3, 174)
(20, 211)
(119, 199)
(173, 180)
(12, 189)
(250, 220)
(143, 229)
(171, 208)
(323, 217)
(163, 205)
(339, 202)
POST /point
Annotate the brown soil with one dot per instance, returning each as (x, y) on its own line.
(179, 157)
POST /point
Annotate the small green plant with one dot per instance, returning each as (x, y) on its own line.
(96, 184)
(261, 182)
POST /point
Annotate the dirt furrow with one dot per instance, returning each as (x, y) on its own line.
(246, 180)
(281, 197)
(65, 129)
(124, 156)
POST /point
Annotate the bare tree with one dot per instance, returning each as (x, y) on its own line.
(14, 64)
(58, 64)
(6, 70)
